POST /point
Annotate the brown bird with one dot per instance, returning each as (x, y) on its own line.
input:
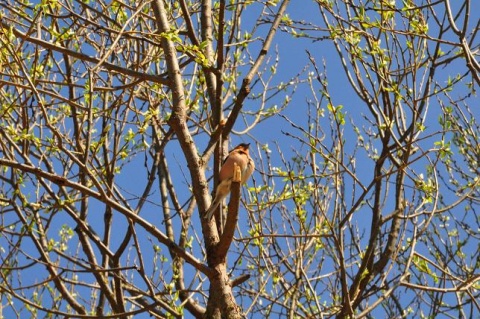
(240, 156)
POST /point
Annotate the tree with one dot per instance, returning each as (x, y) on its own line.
(111, 113)
(390, 181)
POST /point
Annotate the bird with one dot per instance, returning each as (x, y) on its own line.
(239, 155)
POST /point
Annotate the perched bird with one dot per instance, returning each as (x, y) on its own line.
(241, 157)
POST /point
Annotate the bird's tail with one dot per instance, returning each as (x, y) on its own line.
(211, 209)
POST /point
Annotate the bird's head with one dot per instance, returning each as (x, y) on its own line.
(242, 147)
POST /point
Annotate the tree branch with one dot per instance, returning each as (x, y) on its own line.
(178, 117)
(245, 88)
(62, 181)
(109, 66)
(232, 216)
